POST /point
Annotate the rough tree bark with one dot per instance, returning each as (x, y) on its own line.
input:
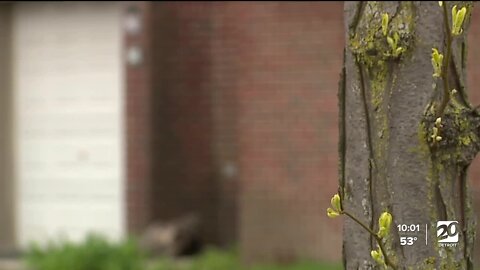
(388, 107)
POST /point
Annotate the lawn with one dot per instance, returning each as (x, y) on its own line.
(96, 253)
(214, 259)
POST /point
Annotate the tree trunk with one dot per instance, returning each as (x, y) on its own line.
(389, 160)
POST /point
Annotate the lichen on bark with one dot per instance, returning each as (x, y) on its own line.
(388, 160)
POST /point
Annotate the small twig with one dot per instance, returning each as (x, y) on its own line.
(388, 262)
(446, 66)
(360, 223)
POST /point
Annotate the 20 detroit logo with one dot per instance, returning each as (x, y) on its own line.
(447, 233)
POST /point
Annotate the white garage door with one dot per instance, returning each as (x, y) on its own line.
(68, 107)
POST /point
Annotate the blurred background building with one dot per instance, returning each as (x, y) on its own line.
(117, 114)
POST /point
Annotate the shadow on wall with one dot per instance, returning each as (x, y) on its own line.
(245, 107)
(193, 121)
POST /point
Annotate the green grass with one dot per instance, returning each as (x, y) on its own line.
(214, 259)
(96, 253)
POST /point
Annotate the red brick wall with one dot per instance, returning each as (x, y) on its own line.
(226, 72)
(237, 90)
(184, 177)
(181, 122)
(290, 54)
(234, 116)
(138, 94)
(243, 103)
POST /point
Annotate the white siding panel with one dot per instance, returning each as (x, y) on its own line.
(69, 120)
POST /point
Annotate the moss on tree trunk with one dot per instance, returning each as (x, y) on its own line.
(389, 104)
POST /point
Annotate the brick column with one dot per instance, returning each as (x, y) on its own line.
(138, 94)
